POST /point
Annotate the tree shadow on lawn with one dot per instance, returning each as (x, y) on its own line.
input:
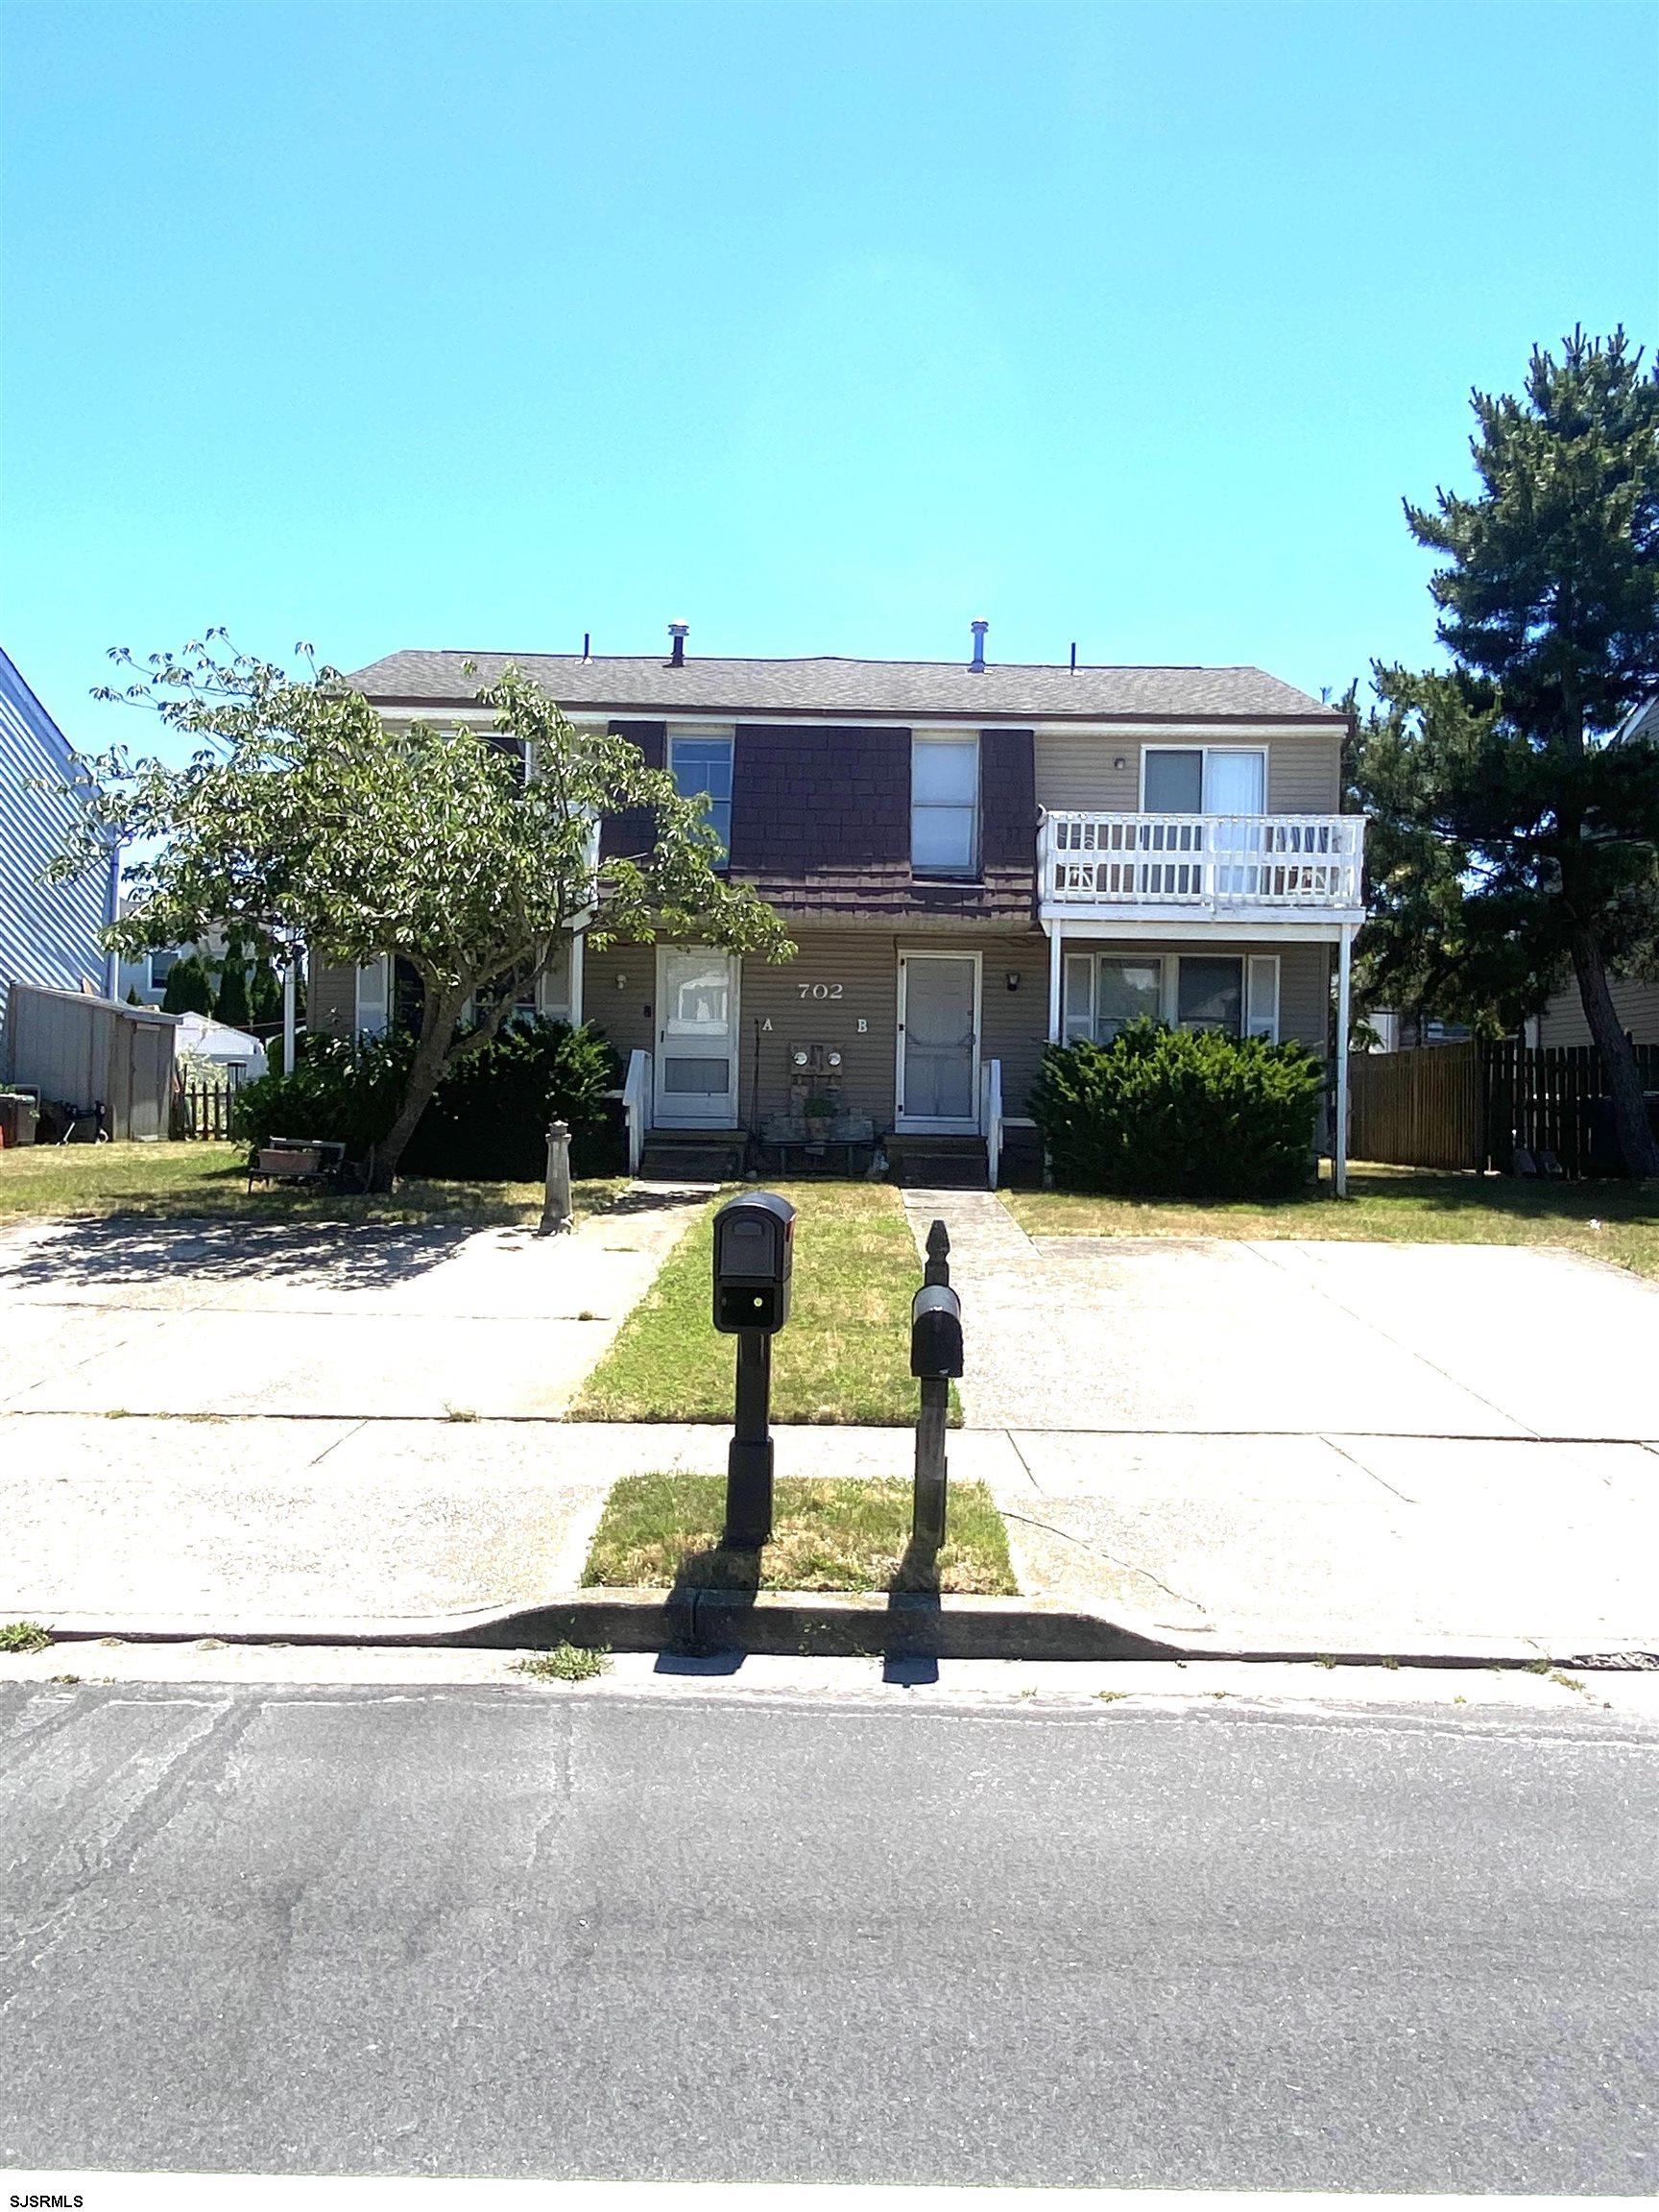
(122, 1251)
(324, 1250)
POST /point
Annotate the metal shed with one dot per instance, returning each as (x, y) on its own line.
(80, 1050)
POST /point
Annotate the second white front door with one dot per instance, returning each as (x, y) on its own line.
(696, 1056)
(939, 1042)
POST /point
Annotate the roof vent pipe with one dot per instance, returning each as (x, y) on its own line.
(587, 645)
(976, 666)
(676, 633)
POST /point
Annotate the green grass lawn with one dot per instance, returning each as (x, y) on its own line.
(839, 1534)
(183, 1181)
(844, 1356)
(1608, 1220)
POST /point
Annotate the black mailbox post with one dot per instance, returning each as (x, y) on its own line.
(936, 1361)
(754, 1263)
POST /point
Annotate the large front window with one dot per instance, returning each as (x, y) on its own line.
(702, 769)
(945, 805)
(1235, 992)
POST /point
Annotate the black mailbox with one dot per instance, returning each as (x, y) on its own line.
(936, 1333)
(753, 1261)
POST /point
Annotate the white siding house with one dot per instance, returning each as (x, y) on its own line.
(48, 934)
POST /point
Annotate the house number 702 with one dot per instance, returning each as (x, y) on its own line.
(819, 990)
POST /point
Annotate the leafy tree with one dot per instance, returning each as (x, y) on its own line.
(189, 987)
(264, 995)
(231, 1004)
(303, 820)
(1515, 815)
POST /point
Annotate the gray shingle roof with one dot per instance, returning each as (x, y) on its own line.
(645, 684)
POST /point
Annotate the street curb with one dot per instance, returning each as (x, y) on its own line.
(776, 1623)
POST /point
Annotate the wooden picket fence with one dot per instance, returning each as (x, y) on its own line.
(204, 1110)
(1502, 1106)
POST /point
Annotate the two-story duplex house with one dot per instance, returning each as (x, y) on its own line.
(972, 859)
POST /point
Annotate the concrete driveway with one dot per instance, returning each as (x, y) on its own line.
(357, 1322)
(1165, 1337)
(1352, 1442)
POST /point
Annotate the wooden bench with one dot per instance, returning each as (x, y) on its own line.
(318, 1160)
(788, 1137)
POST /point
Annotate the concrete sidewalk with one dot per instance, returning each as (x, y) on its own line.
(1335, 1543)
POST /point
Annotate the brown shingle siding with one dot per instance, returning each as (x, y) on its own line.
(635, 831)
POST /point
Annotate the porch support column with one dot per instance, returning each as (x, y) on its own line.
(1056, 969)
(1339, 1134)
(578, 939)
(290, 1011)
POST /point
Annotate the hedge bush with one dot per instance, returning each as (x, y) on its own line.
(1179, 1114)
(488, 1119)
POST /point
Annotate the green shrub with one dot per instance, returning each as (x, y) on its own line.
(1179, 1114)
(490, 1112)
(488, 1119)
(339, 1089)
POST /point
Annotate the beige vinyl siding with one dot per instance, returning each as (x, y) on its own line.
(619, 990)
(1077, 769)
(1637, 1005)
(332, 1000)
(863, 963)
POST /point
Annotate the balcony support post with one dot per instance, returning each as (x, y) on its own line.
(1056, 969)
(1340, 1130)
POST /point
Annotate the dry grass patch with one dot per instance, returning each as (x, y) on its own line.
(185, 1182)
(1604, 1220)
(834, 1533)
(844, 1356)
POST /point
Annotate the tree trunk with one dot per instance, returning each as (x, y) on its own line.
(437, 1025)
(1618, 1059)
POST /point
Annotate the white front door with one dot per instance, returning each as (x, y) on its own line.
(939, 1042)
(696, 1039)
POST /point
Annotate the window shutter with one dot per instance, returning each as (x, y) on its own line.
(1080, 1015)
(373, 998)
(1262, 1008)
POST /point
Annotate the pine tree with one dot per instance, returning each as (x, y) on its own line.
(264, 997)
(1533, 812)
(232, 1005)
(189, 986)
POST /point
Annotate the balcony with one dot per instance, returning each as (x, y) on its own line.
(1241, 868)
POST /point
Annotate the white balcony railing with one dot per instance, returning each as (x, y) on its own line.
(1205, 863)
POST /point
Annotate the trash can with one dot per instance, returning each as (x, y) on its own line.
(19, 1116)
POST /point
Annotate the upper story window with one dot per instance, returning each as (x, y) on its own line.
(945, 805)
(160, 967)
(700, 762)
(1203, 779)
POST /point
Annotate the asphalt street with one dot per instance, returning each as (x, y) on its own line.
(517, 1931)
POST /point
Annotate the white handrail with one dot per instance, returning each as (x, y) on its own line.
(636, 1106)
(991, 1117)
(1217, 862)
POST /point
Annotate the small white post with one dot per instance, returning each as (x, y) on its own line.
(290, 1012)
(1056, 968)
(578, 940)
(558, 1214)
(1339, 1134)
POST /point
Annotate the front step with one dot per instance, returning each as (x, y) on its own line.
(938, 1163)
(694, 1156)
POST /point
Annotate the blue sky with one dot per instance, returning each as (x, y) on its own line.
(824, 327)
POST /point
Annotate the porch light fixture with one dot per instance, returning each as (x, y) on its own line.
(1012, 978)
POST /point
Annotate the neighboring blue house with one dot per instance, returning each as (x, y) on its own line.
(48, 933)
